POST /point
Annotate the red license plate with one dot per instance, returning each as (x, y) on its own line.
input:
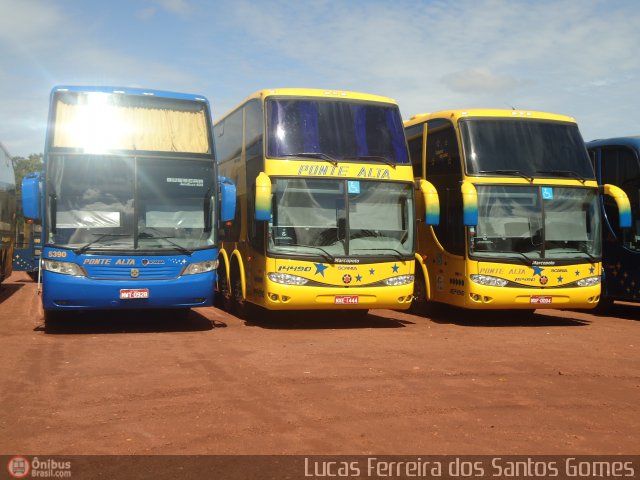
(540, 299)
(346, 299)
(132, 293)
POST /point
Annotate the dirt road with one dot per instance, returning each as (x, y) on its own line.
(392, 383)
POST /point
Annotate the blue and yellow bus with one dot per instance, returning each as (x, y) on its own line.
(522, 228)
(325, 214)
(130, 202)
(7, 213)
(617, 161)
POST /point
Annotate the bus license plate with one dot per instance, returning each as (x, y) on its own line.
(346, 299)
(132, 293)
(541, 299)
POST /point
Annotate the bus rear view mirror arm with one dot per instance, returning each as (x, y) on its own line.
(622, 201)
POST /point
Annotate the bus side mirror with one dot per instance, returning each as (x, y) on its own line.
(227, 199)
(263, 197)
(31, 197)
(469, 204)
(431, 203)
(622, 201)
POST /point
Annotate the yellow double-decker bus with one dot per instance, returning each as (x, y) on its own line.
(325, 213)
(521, 223)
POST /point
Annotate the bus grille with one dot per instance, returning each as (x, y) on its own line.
(148, 272)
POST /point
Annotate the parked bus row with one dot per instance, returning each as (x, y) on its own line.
(305, 199)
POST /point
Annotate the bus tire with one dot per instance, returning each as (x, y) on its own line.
(418, 304)
(604, 305)
(239, 303)
(52, 319)
(223, 298)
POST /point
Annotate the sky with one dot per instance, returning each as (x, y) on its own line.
(574, 57)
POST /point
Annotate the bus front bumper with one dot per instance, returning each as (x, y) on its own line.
(286, 297)
(491, 298)
(78, 293)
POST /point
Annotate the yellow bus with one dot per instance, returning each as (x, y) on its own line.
(325, 212)
(521, 223)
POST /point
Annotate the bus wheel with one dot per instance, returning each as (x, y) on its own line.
(223, 295)
(604, 305)
(52, 319)
(239, 303)
(419, 295)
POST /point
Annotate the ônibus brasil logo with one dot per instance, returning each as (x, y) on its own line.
(19, 467)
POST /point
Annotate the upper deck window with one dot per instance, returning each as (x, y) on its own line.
(527, 146)
(96, 122)
(335, 130)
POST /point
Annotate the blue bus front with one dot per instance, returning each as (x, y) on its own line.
(104, 281)
(130, 201)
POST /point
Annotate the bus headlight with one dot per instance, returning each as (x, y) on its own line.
(488, 280)
(286, 279)
(65, 268)
(588, 282)
(200, 267)
(399, 280)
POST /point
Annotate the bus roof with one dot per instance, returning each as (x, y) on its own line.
(630, 141)
(128, 91)
(487, 112)
(319, 92)
(309, 92)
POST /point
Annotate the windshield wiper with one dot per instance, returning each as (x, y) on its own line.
(564, 173)
(380, 158)
(101, 236)
(519, 173)
(326, 255)
(398, 255)
(320, 155)
(178, 247)
(527, 260)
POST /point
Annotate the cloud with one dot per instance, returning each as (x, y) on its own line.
(478, 81)
(28, 23)
(181, 7)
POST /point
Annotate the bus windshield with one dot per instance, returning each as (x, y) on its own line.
(328, 218)
(523, 222)
(335, 130)
(98, 122)
(100, 202)
(527, 147)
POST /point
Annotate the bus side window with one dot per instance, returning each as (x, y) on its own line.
(255, 164)
(620, 167)
(414, 136)
(229, 148)
(444, 171)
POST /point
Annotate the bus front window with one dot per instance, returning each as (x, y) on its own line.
(124, 203)
(525, 147)
(335, 130)
(328, 218)
(527, 223)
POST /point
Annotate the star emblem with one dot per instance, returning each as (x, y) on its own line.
(395, 268)
(372, 271)
(560, 279)
(320, 268)
(577, 272)
(358, 278)
(537, 271)
(592, 269)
